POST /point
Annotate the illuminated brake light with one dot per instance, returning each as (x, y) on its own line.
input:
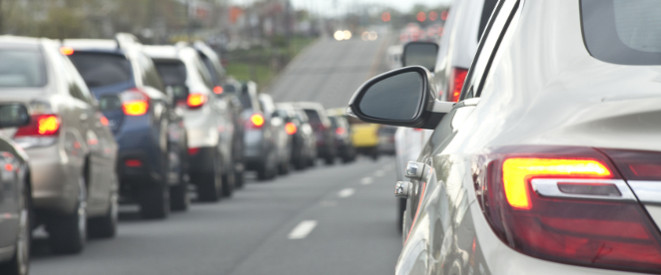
(290, 128)
(134, 102)
(517, 173)
(133, 163)
(104, 120)
(257, 120)
(196, 100)
(66, 51)
(41, 125)
(569, 205)
(340, 131)
(218, 90)
(457, 83)
(193, 151)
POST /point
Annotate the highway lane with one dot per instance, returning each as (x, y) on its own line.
(253, 232)
(330, 71)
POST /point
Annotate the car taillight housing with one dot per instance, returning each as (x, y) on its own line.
(196, 100)
(340, 131)
(456, 83)
(134, 102)
(290, 128)
(41, 125)
(256, 121)
(567, 204)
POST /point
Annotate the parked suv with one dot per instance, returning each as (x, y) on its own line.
(70, 148)
(151, 165)
(208, 119)
(322, 130)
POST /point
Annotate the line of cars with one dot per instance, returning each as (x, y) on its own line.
(87, 124)
(548, 161)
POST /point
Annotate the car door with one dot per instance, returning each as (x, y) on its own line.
(98, 179)
(437, 234)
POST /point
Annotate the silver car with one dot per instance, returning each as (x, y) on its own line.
(70, 146)
(207, 118)
(549, 163)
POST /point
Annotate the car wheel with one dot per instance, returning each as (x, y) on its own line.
(179, 198)
(68, 233)
(105, 226)
(329, 160)
(283, 168)
(209, 184)
(229, 183)
(155, 201)
(20, 262)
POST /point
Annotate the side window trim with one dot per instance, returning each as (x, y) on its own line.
(474, 89)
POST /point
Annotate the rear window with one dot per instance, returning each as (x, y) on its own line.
(623, 31)
(22, 68)
(173, 72)
(313, 117)
(100, 69)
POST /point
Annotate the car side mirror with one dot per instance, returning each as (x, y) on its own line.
(401, 97)
(420, 54)
(177, 92)
(13, 115)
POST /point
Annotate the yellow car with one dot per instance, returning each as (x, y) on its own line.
(365, 138)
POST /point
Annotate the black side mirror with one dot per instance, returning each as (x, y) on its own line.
(178, 92)
(420, 54)
(13, 115)
(401, 97)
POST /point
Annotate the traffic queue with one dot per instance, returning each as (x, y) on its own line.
(89, 124)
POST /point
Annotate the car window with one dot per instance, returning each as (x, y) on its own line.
(313, 117)
(618, 31)
(102, 69)
(22, 68)
(487, 9)
(487, 49)
(213, 73)
(150, 75)
(77, 86)
(173, 72)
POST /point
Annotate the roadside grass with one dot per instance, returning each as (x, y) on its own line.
(263, 63)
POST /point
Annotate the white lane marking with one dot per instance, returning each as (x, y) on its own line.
(302, 230)
(378, 173)
(366, 181)
(346, 192)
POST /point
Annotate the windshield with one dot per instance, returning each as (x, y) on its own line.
(623, 31)
(21, 68)
(101, 69)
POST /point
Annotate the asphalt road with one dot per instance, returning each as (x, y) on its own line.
(330, 71)
(326, 220)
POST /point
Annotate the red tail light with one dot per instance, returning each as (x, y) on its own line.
(456, 83)
(41, 125)
(218, 90)
(196, 100)
(290, 128)
(340, 131)
(133, 163)
(134, 102)
(256, 121)
(569, 205)
(66, 50)
(193, 151)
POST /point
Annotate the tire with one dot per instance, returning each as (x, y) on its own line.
(262, 171)
(68, 233)
(228, 183)
(239, 179)
(209, 185)
(329, 160)
(179, 198)
(283, 168)
(20, 262)
(106, 226)
(155, 201)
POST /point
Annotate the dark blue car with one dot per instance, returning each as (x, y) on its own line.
(150, 133)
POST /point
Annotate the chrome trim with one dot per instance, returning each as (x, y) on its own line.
(414, 170)
(403, 189)
(647, 191)
(549, 188)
